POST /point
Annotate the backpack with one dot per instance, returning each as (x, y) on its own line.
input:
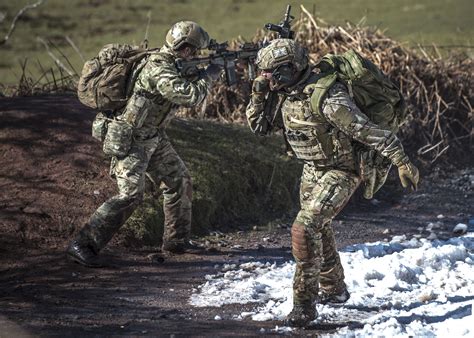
(373, 92)
(375, 95)
(106, 80)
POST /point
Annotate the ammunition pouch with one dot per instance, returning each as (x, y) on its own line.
(99, 126)
(118, 139)
(306, 144)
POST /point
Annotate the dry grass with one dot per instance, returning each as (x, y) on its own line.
(438, 90)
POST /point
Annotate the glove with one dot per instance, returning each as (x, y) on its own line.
(261, 85)
(260, 88)
(213, 71)
(263, 126)
(409, 175)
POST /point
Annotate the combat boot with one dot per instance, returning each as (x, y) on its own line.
(179, 248)
(338, 297)
(83, 254)
(302, 314)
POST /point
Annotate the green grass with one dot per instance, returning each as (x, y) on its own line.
(238, 178)
(93, 23)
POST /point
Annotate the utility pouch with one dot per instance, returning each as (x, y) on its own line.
(99, 126)
(118, 139)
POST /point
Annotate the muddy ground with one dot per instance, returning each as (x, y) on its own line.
(50, 173)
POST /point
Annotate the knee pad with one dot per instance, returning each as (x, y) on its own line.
(300, 242)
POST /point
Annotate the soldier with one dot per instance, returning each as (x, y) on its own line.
(327, 141)
(158, 91)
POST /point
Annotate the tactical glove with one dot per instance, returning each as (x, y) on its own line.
(260, 88)
(213, 71)
(409, 175)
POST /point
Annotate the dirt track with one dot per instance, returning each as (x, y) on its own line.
(50, 163)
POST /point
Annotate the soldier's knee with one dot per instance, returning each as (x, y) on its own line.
(303, 241)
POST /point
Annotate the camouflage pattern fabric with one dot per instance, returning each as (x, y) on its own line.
(282, 51)
(187, 32)
(328, 141)
(323, 193)
(157, 92)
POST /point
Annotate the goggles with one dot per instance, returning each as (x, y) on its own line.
(282, 74)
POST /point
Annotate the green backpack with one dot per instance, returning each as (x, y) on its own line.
(373, 92)
(375, 95)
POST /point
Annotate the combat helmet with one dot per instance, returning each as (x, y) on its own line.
(282, 51)
(187, 32)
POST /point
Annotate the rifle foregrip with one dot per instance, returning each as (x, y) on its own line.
(230, 75)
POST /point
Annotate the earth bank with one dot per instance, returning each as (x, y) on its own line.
(53, 176)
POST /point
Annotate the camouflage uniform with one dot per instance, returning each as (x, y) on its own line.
(327, 141)
(158, 91)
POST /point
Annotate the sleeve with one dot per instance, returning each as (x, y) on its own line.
(341, 111)
(164, 78)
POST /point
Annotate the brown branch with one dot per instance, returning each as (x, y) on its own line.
(15, 19)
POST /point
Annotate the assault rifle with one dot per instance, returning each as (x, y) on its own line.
(224, 57)
(284, 28)
(273, 103)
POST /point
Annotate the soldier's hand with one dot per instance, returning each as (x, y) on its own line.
(260, 88)
(261, 85)
(213, 71)
(409, 175)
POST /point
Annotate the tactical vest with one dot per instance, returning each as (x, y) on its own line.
(151, 111)
(310, 135)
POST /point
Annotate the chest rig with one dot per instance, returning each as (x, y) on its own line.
(148, 111)
(310, 135)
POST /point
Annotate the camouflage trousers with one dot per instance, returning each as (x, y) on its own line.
(323, 194)
(157, 159)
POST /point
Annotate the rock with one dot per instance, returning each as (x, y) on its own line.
(460, 229)
(387, 231)
(155, 258)
(375, 202)
(435, 225)
(398, 239)
(246, 314)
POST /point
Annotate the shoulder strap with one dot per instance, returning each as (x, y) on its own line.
(319, 90)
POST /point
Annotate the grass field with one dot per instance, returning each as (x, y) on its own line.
(93, 23)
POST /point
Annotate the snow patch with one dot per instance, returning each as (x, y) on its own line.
(413, 287)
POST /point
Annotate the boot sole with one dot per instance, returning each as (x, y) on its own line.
(79, 261)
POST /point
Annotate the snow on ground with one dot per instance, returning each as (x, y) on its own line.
(413, 287)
